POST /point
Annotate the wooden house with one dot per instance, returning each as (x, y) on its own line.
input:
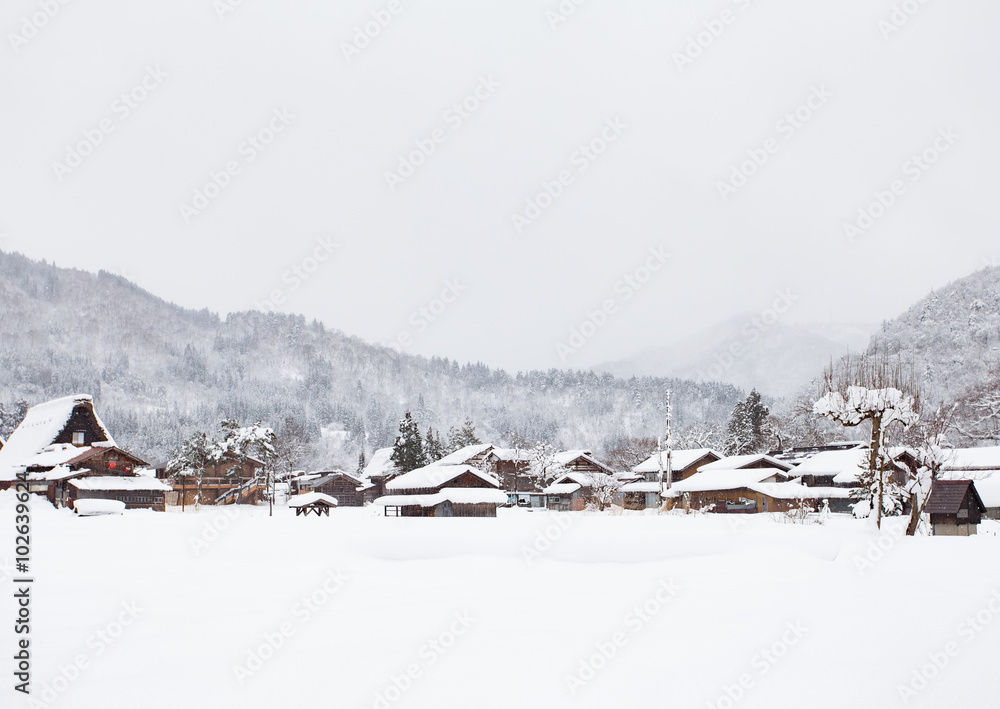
(474, 455)
(511, 466)
(235, 479)
(65, 452)
(573, 491)
(644, 494)
(955, 508)
(724, 490)
(349, 490)
(580, 461)
(443, 491)
(380, 470)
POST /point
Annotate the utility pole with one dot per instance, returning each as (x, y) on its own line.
(659, 453)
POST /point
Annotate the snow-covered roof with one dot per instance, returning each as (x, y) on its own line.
(42, 424)
(305, 478)
(311, 498)
(797, 491)
(561, 488)
(122, 483)
(464, 455)
(679, 460)
(708, 480)
(736, 462)
(985, 458)
(436, 476)
(641, 486)
(60, 472)
(93, 506)
(380, 464)
(508, 454)
(455, 495)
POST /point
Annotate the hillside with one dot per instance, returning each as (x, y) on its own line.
(952, 336)
(158, 372)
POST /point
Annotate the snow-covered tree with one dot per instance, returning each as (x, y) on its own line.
(603, 490)
(872, 390)
(543, 469)
(462, 437)
(432, 445)
(977, 415)
(191, 458)
(749, 429)
(408, 451)
(628, 452)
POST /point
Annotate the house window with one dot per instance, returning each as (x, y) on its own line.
(78, 438)
(963, 514)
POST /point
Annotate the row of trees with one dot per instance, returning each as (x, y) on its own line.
(412, 450)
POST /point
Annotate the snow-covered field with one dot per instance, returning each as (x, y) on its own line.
(532, 609)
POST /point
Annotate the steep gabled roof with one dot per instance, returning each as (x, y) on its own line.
(947, 496)
(435, 476)
(42, 425)
(464, 455)
(679, 460)
(380, 465)
(565, 458)
(740, 462)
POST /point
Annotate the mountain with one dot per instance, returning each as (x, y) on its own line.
(159, 372)
(951, 337)
(775, 358)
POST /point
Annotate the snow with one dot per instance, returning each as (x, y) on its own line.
(985, 458)
(641, 487)
(114, 482)
(436, 476)
(564, 458)
(508, 454)
(95, 506)
(708, 480)
(380, 464)
(41, 425)
(679, 460)
(561, 488)
(797, 491)
(464, 455)
(989, 490)
(735, 462)
(455, 495)
(311, 498)
(194, 613)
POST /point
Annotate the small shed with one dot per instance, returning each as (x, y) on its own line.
(955, 508)
(312, 502)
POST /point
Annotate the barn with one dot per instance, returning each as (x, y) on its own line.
(443, 491)
(955, 508)
(349, 491)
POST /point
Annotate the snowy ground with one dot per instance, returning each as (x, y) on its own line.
(159, 610)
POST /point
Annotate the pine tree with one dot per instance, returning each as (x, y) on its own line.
(432, 445)
(749, 428)
(465, 436)
(361, 461)
(408, 451)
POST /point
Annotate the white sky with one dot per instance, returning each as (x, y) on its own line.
(655, 186)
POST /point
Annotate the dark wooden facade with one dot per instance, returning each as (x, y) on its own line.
(347, 489)
(955, 508)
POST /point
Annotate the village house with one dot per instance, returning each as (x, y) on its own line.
(644, 493)
(579, 461)
(67, 453)
(474, 455)
(726, 489)
(443, 491)
(379, 470)
(511, 467)
(234, 479)
(573, 491)
(955, 508)
(349, 490)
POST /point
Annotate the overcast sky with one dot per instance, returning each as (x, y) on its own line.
(310, 110)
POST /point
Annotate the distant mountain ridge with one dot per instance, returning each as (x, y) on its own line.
(158, 372)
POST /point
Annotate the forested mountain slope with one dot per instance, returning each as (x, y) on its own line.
(158, 372)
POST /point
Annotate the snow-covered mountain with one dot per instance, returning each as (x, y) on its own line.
(952, 337)
(158, 372)
(777, 358)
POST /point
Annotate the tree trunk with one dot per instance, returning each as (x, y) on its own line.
(911, 528)
(874, 464)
